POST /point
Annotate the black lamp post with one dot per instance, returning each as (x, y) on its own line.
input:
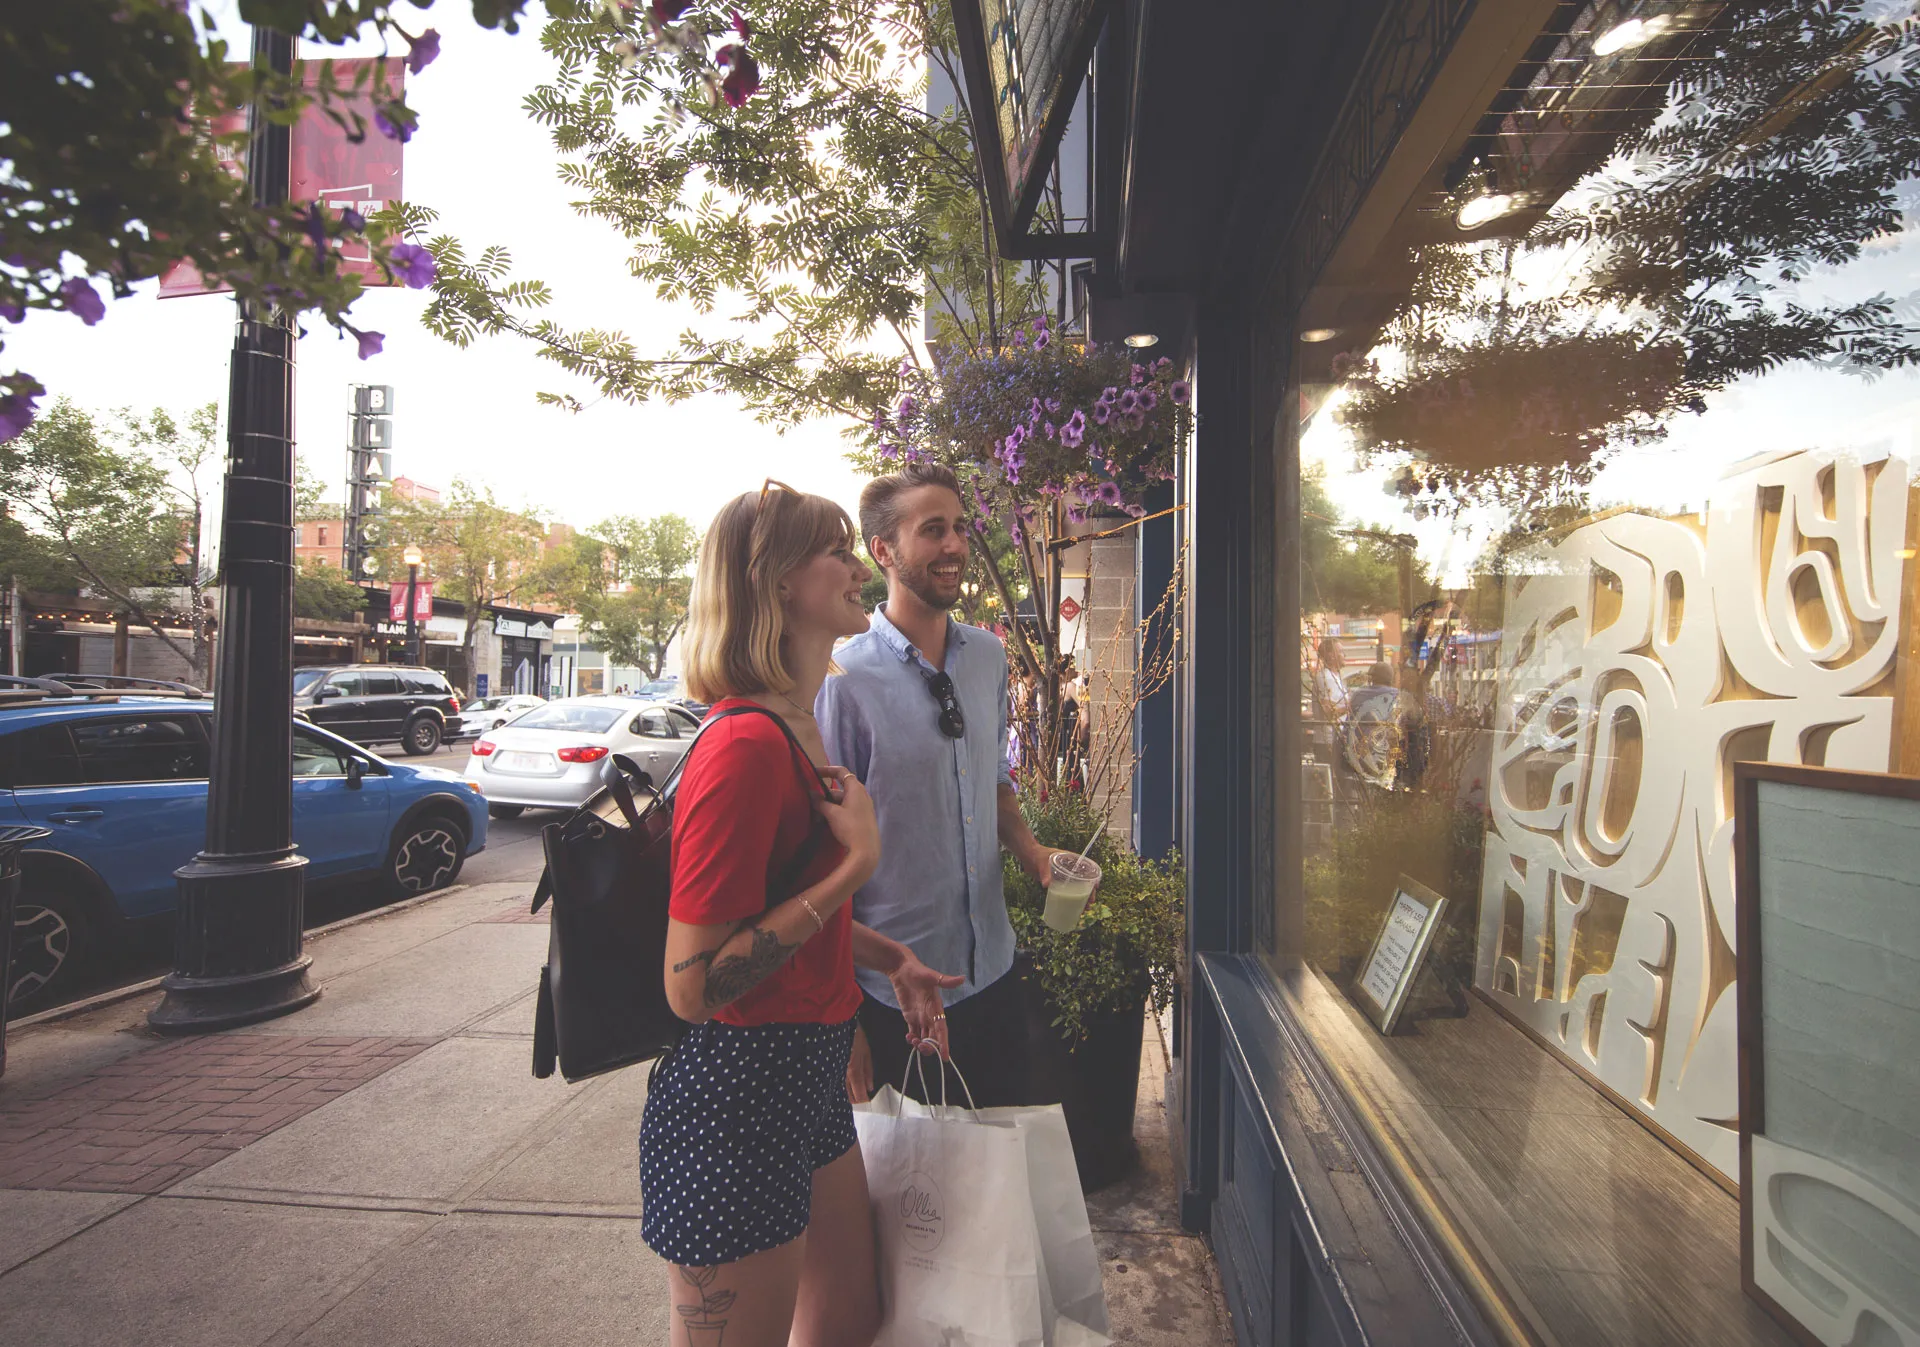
(239, 929)
(413, 559)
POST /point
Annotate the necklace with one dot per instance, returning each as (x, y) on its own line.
(798, 709)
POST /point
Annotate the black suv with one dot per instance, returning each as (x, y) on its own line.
(379, 703)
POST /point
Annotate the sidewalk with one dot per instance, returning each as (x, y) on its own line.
(382, 1168)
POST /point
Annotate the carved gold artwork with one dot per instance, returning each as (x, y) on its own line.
(1640, 658)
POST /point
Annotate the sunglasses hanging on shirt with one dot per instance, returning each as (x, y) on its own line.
(952, 723)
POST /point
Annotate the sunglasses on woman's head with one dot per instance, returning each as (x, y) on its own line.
(952, 723)
(772, 485)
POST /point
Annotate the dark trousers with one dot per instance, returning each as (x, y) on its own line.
(986, 1033)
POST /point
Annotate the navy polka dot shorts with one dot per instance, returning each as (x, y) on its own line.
(737, 1120)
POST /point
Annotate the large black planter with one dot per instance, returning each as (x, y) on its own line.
(1096, 1082)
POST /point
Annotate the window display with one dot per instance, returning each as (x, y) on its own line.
(1607, 481)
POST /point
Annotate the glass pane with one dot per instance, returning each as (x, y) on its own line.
(314, 756)
(1612, 488)
(348, 684)
(140, 750)
(589, 717)
(382, 684)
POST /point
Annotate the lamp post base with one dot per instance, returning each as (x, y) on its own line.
(238, 958)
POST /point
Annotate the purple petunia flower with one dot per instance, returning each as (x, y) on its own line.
(390, 128)
(370, 343)
(1182, 392)
(1102, 411)
(1040, 323)
(1163, 364)
(16, 413)
(413, 264)
(1137, 376)
(1135, 511)
(81, 301)
(12, 312)
(352, 219)
(313, 223)
(422, 51)
(1129, 401)
(1043, 341)
(888, 452)
(1052, 430)
(1034, 411)
(907, 407)
(1053, 404)
(1109, 493)
(1071, 435)
(1148, 399)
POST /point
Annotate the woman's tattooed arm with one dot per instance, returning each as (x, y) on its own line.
(732, 977)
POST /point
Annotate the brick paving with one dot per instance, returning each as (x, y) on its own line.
(143, 1123)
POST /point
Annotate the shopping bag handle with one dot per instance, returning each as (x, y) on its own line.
(916, 1062)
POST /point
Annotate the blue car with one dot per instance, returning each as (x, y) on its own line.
(121, 780)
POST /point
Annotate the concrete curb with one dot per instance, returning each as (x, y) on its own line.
(115, 995)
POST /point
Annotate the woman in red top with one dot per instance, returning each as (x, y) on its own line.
(750, 1171)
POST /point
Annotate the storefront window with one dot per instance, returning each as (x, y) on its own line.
(1607, 483)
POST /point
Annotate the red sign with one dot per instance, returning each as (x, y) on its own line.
(1069, 609)
(327, 167)
(422, 600)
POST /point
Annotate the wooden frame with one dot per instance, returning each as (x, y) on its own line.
(1748, 777)
(1386, 1013)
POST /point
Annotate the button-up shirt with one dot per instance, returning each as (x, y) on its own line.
(938, 888)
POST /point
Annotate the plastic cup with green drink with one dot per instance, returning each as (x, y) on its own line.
(1070, 884)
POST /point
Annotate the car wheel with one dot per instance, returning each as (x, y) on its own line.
(422, 737)
(427, 855)
(53, 945)
(505, 810)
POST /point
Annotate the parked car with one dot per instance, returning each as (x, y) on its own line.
(558, 755)
(379, 703)
(490, 713)
(121, 779)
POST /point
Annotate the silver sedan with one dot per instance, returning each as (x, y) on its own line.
(558, 755)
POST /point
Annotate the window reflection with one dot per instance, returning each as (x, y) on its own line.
(1614, 489)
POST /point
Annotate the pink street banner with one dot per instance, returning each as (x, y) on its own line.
(422, 600)
(327, 167)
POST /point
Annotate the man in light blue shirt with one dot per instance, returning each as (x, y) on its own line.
(919, 714)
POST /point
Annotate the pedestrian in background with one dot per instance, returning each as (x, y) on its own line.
(752, 1182)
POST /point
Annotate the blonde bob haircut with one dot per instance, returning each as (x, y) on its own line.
(736, 625)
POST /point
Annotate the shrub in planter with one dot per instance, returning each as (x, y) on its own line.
(1090, 986)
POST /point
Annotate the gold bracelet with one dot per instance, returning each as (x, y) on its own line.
(818, 925)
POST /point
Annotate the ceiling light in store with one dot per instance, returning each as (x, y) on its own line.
(1632, 33)
(1482, 209)
(1140, 341)
(1320, 334)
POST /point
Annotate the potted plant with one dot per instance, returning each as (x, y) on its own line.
(1089, 987)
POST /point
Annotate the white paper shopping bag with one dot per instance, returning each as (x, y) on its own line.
(960, 1262)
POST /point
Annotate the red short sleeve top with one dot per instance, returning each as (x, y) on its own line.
(742, 813)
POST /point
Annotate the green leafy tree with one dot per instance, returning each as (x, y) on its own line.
(477, 551)
(1347, 570)
(321, 590)
(649, 582)
(310, 503)
(822, 218)
(117, 513)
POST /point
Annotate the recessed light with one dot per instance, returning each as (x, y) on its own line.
(1482, 209)
(1320, 334)
(1632, 33)
(1140, 341)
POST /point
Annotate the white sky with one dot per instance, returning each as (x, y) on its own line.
(490, 172)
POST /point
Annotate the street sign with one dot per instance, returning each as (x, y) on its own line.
(1069, 609)
(480, 685)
